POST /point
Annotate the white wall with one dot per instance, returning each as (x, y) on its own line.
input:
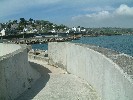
(3, 32)
(6, 48)
(103, 74)
(16, 74)
(57, 54)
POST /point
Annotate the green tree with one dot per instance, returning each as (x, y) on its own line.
(30, 20)
(22, 20)
(22, 24)
(15, 22)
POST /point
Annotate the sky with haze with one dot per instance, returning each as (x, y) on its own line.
(86, 13)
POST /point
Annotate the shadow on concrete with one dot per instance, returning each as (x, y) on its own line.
(38, 85)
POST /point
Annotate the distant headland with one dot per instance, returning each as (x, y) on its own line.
(25, 29)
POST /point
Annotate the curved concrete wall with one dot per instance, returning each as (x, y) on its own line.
(6, 48)
(108, 78)
(16, 74)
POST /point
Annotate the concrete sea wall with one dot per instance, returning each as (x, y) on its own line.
(6, 48)
(109, 72)
(16, 74)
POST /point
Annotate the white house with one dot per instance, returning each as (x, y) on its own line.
(79, 29)
(83, 30)
(25, 30)
(3, 32)
(53, 25)
(53, 31)
(34, 30)
(74, 29)
(68, 31)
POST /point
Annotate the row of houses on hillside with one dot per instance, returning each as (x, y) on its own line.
(8, 29)
(78, 29)
(13, 28)
(70, 30)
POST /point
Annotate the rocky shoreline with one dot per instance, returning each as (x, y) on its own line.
(42, 40)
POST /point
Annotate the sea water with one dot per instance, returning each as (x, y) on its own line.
(120, 43)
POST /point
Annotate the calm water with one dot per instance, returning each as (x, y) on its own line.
(119, 43)
(40, 46)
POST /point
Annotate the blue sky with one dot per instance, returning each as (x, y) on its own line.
(87, 13)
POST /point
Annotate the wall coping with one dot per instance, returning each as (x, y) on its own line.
(123, 62)
(21, 49)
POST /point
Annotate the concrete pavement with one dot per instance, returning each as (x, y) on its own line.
(57, 84)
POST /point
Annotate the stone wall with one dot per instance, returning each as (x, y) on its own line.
(16, 74)
(100, 67)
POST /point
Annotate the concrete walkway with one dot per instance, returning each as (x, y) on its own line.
(56, 84)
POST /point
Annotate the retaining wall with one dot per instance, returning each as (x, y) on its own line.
(16, 74)
(100, 67)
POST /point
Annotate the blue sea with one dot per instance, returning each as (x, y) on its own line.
(40, 46)
(120, 43)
